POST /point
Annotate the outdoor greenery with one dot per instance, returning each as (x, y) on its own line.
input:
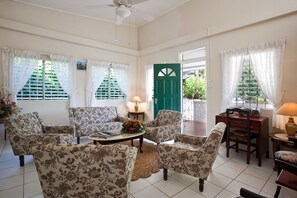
(248, 90)
(195, 88)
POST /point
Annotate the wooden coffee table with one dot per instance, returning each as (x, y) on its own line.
(120, 138)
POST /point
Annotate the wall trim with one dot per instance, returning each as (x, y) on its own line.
(46, 33)
(207, 33)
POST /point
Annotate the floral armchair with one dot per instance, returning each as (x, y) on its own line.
(191, 155)
(85, 170)
(89, 120)
(27, 130)
(165, 127)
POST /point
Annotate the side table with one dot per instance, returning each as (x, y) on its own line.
(280, 139)
(136, 114)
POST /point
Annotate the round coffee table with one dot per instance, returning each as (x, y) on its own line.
(120, 138)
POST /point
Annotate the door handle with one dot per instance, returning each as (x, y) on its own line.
(156, 100)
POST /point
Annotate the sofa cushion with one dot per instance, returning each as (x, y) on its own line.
(92, 115)
(93, 128)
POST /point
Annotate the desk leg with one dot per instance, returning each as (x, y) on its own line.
(140, 143)
(260, 153)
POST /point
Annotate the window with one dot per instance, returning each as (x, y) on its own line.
(248, 93)
(43, 84)
(109, 88)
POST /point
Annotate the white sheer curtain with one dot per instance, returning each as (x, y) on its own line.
(121, 74)
(64, 69)
(149, 75)
(18, 66)
(232, 62)
(96, 71)
(267, 60)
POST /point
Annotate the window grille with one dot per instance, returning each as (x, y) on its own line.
(248, 93)
(43, 84)
(109, 88)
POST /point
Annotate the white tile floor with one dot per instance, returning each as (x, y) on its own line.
(226, 179)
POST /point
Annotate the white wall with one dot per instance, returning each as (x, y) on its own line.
(51, 32)
(222, 25)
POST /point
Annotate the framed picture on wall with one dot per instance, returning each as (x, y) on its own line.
(81, 64)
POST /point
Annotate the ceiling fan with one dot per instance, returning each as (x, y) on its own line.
(124, 8)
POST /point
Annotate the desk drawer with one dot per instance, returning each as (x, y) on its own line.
(255, 126)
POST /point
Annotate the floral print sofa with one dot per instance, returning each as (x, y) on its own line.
(192, 155)
(165, 127)
(89, 120)
(85, 170)
(25, 131)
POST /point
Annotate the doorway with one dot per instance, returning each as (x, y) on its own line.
(194, 98)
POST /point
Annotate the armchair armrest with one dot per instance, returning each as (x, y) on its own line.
(120, 119)
(152, 123)
(189, 139)
(68, 129)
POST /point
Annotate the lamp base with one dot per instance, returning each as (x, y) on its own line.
(291, 128)
(136, 107)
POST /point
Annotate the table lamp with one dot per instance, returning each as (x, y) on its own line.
(136, 99)
(289, 109)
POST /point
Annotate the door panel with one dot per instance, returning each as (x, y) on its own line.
(167, 87)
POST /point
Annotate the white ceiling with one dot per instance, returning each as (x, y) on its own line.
(100, 9)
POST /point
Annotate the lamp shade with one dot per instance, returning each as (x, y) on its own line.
(288, 109)
(136, 99)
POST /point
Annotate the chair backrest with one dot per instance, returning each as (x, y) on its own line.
(92, 115)
(243, 124)
(169, 117)
(213, 141)
(24, 124)
(84, 170)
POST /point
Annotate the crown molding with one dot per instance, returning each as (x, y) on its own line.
(46, 33)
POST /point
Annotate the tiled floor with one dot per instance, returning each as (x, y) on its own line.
(226, 179)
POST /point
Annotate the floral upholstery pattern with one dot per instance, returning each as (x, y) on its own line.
(287, 156)
(192, 155)
(165, 127)
(85, 170)
(89, 120)
(27, 130)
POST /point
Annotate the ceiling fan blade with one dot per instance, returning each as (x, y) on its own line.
(100, 6)
(142, 14)
(139, 1)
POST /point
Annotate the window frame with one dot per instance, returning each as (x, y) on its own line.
(110, 77)
(45, 97)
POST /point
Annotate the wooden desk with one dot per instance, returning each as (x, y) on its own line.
(135, 114)
(260, 126)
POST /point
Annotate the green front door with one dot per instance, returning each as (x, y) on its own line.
(167, 87)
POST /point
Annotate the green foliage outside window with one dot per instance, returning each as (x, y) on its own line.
(248, 90)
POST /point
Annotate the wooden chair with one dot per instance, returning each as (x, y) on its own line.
(239, 132)
(286, 163)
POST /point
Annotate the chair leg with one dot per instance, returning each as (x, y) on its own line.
(201, 183)
(227, 148)
(78, 140)
(22, 160)
(277, 191)
(248, 153)
(165, 175)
